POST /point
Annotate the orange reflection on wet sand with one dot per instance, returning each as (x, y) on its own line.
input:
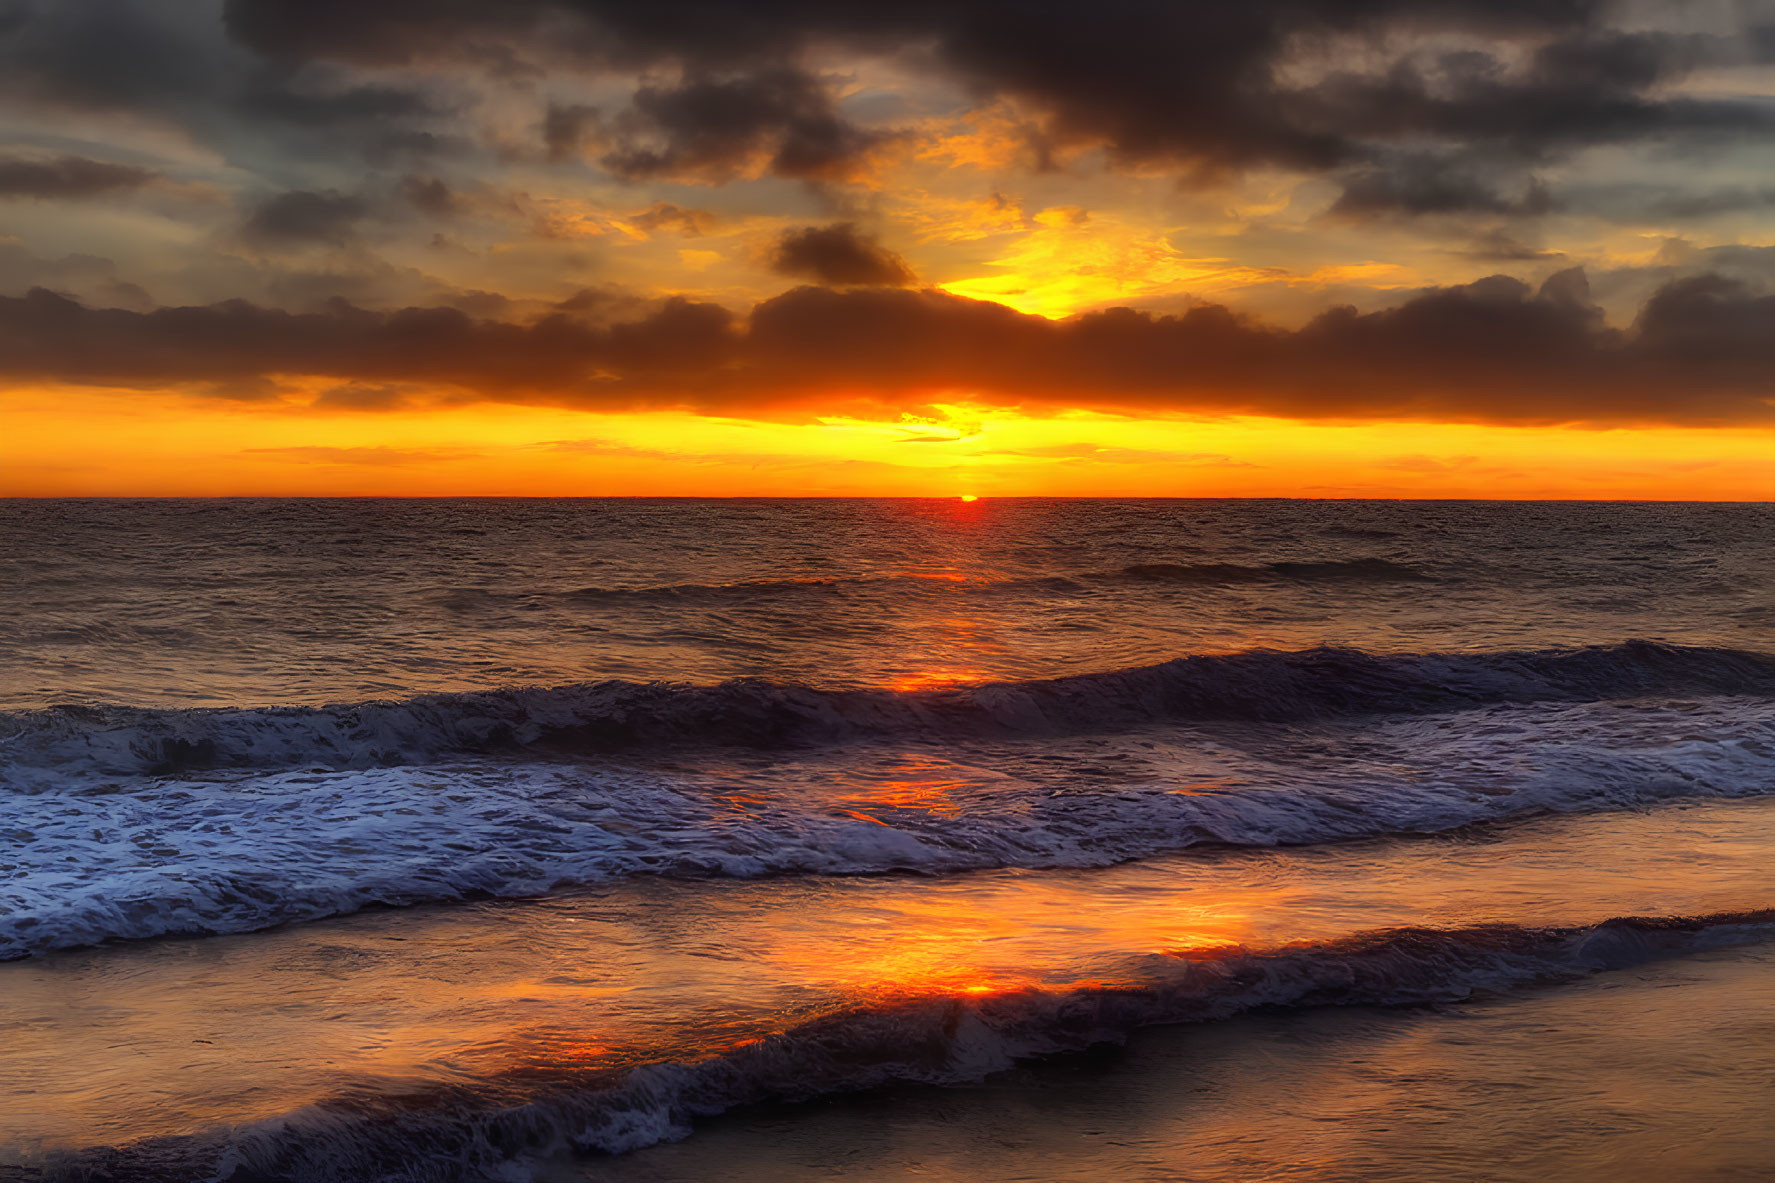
(1035, 935)
(169, 1036)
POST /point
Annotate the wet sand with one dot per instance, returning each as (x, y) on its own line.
(1649, 1075)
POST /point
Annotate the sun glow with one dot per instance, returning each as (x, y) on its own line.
(85, 441)
(1070, 261)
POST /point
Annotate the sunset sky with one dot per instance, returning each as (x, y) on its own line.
(1320, 248)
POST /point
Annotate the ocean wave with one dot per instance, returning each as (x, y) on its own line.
(239, 852)
(1260, 685)
(1335, 570)
(499, 1128)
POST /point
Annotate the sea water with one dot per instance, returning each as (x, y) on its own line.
(483, 839)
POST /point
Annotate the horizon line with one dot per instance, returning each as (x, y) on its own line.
(973, 499)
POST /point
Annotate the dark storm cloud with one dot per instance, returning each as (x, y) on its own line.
(1420, 184)
(712, 129)
(173, 64)
(102, 54)
(1497, 245)
(1367, 90)
(300, 217)
(1730, 200)
(386, 33)
(238, 340)
(429, 195)
(1699, 353)
(1584, 89)
(567, 129)
(67, 177)
(1712, 323)
(839, 255)
(279, 97)
(1199, 87)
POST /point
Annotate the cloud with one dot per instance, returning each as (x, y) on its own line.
(1312, 85)
(839, 255)
(275, 96)
(355, 397)
(1419, 184)
(93, 277)
(429, 195)
(1725, 200)
(1584, 86)
(299, 218)
(779, 120)
(1699, 352)
(569, 128)
(168, 76)
(663, 215)
(67, 177)
(1497, 245)
(717, 92)
(1412, 107)
(114, 55)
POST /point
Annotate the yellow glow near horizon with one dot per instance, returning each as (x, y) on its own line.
(76, 441)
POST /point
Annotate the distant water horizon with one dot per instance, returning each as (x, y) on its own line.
(873, 497)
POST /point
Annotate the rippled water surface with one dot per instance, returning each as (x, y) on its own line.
(465, 840)
(259, 602)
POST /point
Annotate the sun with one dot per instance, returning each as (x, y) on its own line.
(968, 497)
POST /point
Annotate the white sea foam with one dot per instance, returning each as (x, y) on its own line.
(239, 851)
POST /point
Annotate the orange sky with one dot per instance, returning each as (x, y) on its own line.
(78, 441)
(1290, 249)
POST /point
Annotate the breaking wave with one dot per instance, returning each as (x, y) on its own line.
(495, 1128)
(237, 852)
(1260, 685)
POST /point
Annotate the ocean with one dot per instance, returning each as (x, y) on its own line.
(588, 839)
